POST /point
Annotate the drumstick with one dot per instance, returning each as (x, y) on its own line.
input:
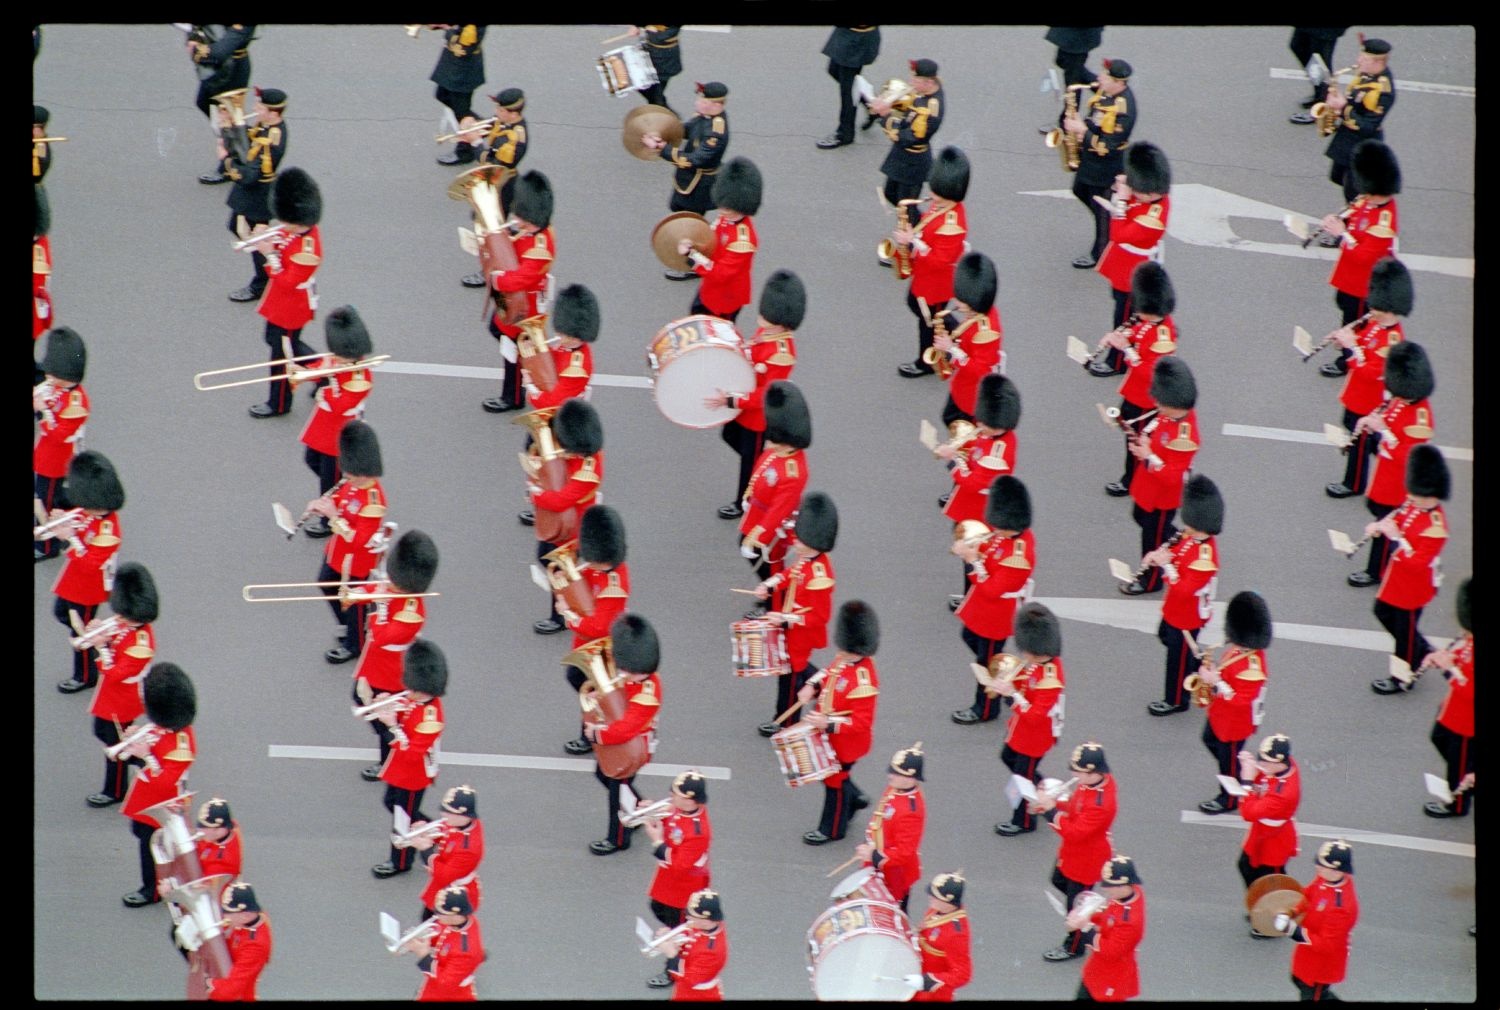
(616, 38)
(748, 592)
(846, 863)
(788, 712)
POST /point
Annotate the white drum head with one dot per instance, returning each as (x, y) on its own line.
(856, 966)
(852, 881)
(681, 386)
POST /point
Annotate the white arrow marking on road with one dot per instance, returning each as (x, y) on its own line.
(523, 761)
(1317, 438)
(1455, 90)
(1200, 216)
(1348, 834)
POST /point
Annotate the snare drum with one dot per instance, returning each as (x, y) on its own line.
(691, 358)
(805, 754)
(859, 950)
(865, 883)
(757, 648)
(628, 68)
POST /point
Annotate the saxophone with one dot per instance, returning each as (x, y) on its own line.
(1327, 117)
(1067, 145)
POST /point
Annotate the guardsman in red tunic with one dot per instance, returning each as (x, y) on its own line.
(988, 452)
(42, 316)
(338, 399)
(1137, 229)
(1115, 931)
(580, 436)
(291, 298)
(451, 957)
(93, 489)
(776, 483)
(637, 654)
(393, 624)
(575, 327)
(1000, 569)
(943, 938)
(845, 711)
(536, 247)
(1083, 821)
(453, 856)
(969, 334)
(62, 407)
(1368, 341)
(1036, 690)
(726, 275)
(702, 953)
(165, 746)
(412, 764)
(1274, 784)
(1191, 565)
(1404, 420)
(601, 548)
(355, 510)
(1164, 447)
(1366, 231)
(123, 656)
(1236, 682)
(772, 350)
(219, 842)
(893, 838)
(249, 941)
(801, 596)
(1321, 923)
(1453, 732)
(936, 242)
(680, 843)
(1145, 338)
(1416, 533)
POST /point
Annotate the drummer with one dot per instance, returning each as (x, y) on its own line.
(944, 941)
(775, 488)
(893, 838)
(726, 275)
(802, 596)
(845, 711)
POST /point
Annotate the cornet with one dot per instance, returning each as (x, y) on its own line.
(432, 829)
(419, 932)
(47, 530)
(149, 733)
(640, 815)
(274, 232)
(653, 947)
(97, 635)
(1112, 414)
(483, 124)
(400, 701)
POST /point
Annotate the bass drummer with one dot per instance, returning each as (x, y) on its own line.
(943, 939)
(637, 654)
(893, 838)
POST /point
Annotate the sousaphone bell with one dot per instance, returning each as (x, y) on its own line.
(644, 119)
(675, 227)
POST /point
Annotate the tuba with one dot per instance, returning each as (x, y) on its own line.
(603, 703)
(191, 898)
(535, 353)
(481, 188)
(567, 581)
(1328, 118)
(1068, 147)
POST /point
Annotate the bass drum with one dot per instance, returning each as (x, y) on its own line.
(859, 950)
(691, 358)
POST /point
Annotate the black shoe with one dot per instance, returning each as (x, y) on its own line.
(318, 528)
(605, 847)
(140, 899)
(473, 280)
(661, 980)
(756, 613)
(1102, 369)
(859, 802)
(71, 686)
(384, 870)
(1085, 262)
(954, 602)
(213, 178)
(833, 140)
(1389, 685)
(526, 517)
(102, 800)
(1334, 369)
(579, 745)
(1303, 118)
(884, 261)
(1471, 930)
(498, 404)
(816, 837)
(870, 120)
(1308, 103)
(370, 773)
(1116, 489)
(1134, 589)
(1337, 490)
(262, 410)
(966, 717)
(548, 626)
(943, 500)
(731, 511)
(454, 158)
(1062, 953)
(679, 275)
(1214, 807)
(40, 555)
(338, 654)
(1436, 809)
(1361, 579)
(245, 294)
(912, 370)
(1008, 830)
(768, 729)
(1164, 708)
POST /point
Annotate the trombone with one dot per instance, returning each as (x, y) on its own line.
(49, 140)
(311, 373)
(253, 593)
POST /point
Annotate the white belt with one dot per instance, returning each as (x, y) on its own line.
(396, 648)
(1137, 249)
(1271, 824)
(465, 880)
(710, 984)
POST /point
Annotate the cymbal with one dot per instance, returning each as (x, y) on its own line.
(649, 119)
(673, 228)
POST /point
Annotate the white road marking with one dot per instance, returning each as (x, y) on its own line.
(458, 759)
(497, 374)
(1449, 452)
(726, 29)
(1454, 90)
(1355, 835)
(1200, 216)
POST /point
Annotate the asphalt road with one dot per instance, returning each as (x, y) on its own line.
(142, 268)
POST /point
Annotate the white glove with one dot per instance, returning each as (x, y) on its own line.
(1282, 923)
(915, 981)
(748, 552)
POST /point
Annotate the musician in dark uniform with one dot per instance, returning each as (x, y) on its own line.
(705, 138)
(1305, 43)
(661, 43)
(1361, 110)
(1103, 128)
(224, 52)
(911, 133)
(850, 48)
(505, 146)
(253, 169)
(41, 154)
(1073, 47)
(459, 71)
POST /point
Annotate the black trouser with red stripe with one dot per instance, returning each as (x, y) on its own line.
(1027, 767)
(259, 281)
(543, 548)
(1116, 358)
(351, 617)
(48, 491)
(1129, 412)
(409, 800)
(116, 774)
(1458, 751)
(1250, 873)
(1071, 889)
(617, 832)
(1180, 662)
(699, 309)
(987, 706)
(383, 733)
(953, 412)
(762, 567)
(326, 468)
(748, 444)
(1156, 529)
(510, 382)
(787, 686)
(1357, 462)
(839, 794)
(85, 661)
(1351, 307)
(1380, 547)
(671, 918)
(924, 328)
(1314, 991)
(279, 396)
(143, 833)
(1224, 752)
(1402, 624)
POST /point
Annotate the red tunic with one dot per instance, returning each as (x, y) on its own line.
(221, 857)
(118, 693)
(65, 411)
(1036, 717)
(1192, 579)
(457, 952)
(391, 626)
(981, 461)
(700, 962)
(157, 780)
(1411, 574)
(1371, 236)
(41, 298)
(585, 474)
(291, 297)
(455, 863)
(1150, 341)
(1330, 913)
(944, 942)
(1238, 702)
(854, 690)
(682, 858)
(1084, 822)
(997, 583)
(1133, 239)
(1364, 390)
(806, 589)
(87, 576)
(412, 763)
(1156, 488)
(1109, 974)
(1270, 808)
(360, 513)
(1410, 424)
(250, 949)
(772, 498)
(611, 594)
(534, 254)
(932, 271)
(642, 706)
(574, 368)
(1457, 710)
(773, 356)
(726, 277)
(895, 830)
(979, 351)
(338, 402)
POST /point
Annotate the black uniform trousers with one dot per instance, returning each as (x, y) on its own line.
(409, 800)
(1250, 873)
(845, 78)
(838, 803)
(48, 491)
(1129, 412)
(1458, 753)
(1225, 752)
(1114, 357)
(699, 309)
(259, 281)
(236, 76)
(462, 104)
(576, 679)
(747, 444)
(1071, 889)
(616, 832)
(352, 617)
(671, 918)
(1351, 307)
(1380, 547)
(1027, 767)
(953, 412)
(699, 199)
(656, 94)
(1086, 194)
(924, 329)
(1357, 455)
(510, 382)
(279, 395)
(1180, 662)
(1313, 992)
(787, 686)
(897, 190)
(1402, 624)
(143, 833)
(1072, 66)
(543, 548)
(116, 776)
(1304, 44)
(383, 734)
(986, 706)
(762, 567)
(85, 661)
(1156, 529)
(324, 466)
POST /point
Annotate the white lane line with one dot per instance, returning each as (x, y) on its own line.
(1449, 452)
(1454, 90)
(476, 372)
(522, 761)
(1355, 835)
(722, 29)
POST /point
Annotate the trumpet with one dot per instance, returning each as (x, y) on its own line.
(640, 815)
(400, 702)
(898, 94)
(432, 829)
(483, 124)
(47, 530)
(963, 433)
(653, 947)
(98, 634)
(419, 932)
(148, 734)
(412, 31)
(274, 232)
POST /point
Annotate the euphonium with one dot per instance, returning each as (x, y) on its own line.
(969, 533)
(567, 581)
(1068, 146)
(1328, 117)
(898, 94)
(963, 433)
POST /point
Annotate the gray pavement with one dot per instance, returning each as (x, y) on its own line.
(142, 268)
